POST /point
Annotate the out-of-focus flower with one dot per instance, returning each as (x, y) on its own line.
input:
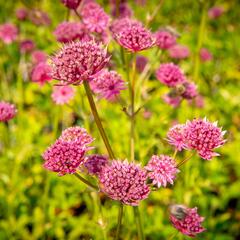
(186, 220)
(26, 46)
(179, 51)
(141, 63)
(199, 101)
(190, 90)
(215, 12)
(170, 74)
(72, 4)
(165, 39)
(162, 170)
(147, 114)
(39, 17)
(125, 182)
(205, 55)
(95, 163)
(107, 84)
(7, 111)
(41, 73)
(62, 94)
(8, 33)
(204, 136)
(78, 61)
(123, 11)
(94, 18)
(172, 100)
(21, 13)
(38, 56)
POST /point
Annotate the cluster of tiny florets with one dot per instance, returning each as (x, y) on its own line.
(7, 111)
(190, 90)
(165, 39)
(41, 73)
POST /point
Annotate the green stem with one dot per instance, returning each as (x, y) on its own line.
(138, 223)
(97, 119)
(86, 181)
(175, 153)
(185, 160)
(120, 215)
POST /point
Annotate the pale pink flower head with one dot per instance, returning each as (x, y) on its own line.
(95, 163)
(170, 74)
(215, 12)
(190, 90)
(205, 55)
(26, 46)
(21, 13)
(175, 137)
(179, 51)
(186, 220)
(94, 18)
(172, 100)
(7, 111)
(125, 182)
(162, 170)
(199, 101)
(165, 39)
(78, 61)
(72, 4)
(123, 11)
(141, 63)
(38, 17)
(62, 94)
(38, 56)
(204, 137)
(107, 84)
(41, 73)
(8, 33)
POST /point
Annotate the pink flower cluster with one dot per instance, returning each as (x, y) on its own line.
(123, 11)
(62, 94)
(38, 56)
(38, 17)
(41, 73)
(95, 164)
(215, 12)
(72, 4)
(205, 55)
(165, 39)
(7, 111)
(21, 13)
(26, 46)
(179, 51)
(8, 33)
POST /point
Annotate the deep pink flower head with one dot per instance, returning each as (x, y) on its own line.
(170, 74)
(141, 63)
(204, 136)
(175, 137)
(70, 31)
(165, 39)
(186, 220)
(38, 56)
(205, 55)
(67, 153)
(179, 51)
(94, 18)
(162, 170)
(95, 163)
(190, 90)
(7, 111)
(26, 46)
(172, 100)
(72, 4)
(78, 61)
(21, 13)
(107, 84)
(62, 94)
(215, 12)
(125, 182)
(41, 73)
(124, 10)
(8, 33)
(39, 17)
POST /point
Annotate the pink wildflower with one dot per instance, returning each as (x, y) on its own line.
(21, 13)
(38, 56)
(41, 73)
(215, 12)
(72, 4)
(124, 10)
(179, 52)
(7, 111)
(172, 100)
(26, 46)
(39, 17)
(8, 33)
(190, 90)
(62, 94)
(165, 39)
(205, 55)
(141, 63)
(95, 163)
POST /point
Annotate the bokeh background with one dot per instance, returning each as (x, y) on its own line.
(37, 204)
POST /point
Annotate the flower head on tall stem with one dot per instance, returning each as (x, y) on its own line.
(165, 39)
(8, 33)
(7, 111)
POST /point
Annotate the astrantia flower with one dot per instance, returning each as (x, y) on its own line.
(190, 90)
(38, 56)
(27, 46)
(162, 170)
(179, 52)
(94, 18)
(39, 17)
(205, 55)
(62, 94)
(125, 182)
(78, 61)
(165, 39)
(215, 12)
(107, 84)
(123, 10)
(70, 31)
(8, 33)
(186, 220)
(204, 136)
(72, 4)
(175, 137)
(41, 73)
(141, 63)
(7, 111)
(170, 74)
(21, 13)
(95, 163)
(172, 100)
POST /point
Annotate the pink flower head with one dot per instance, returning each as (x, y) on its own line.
(204, 136)
(190, 91)
(39, 17)
(67, 153)
(179, 51)
(78, 61)
(38, 56)
(205, 55)
(95, 163)
(8, 33)
(215, 12)
(125, 182)
(72, 4)
(162, 170)
(170, 74)
(26, 46)
(21, 13)
(62, 94)
(94, 18)
(7, 111)
(199, 101)
(107, 84)
(172, 100)
(141, 63)
(175, 137)
(124, 10)
(186, 220)
(41, 73)
(165, 39)
(70, 31)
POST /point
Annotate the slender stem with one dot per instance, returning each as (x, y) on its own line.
(175, 153)
(173, 236)
(155, 12)
(185, 160)
(120, 215)
(138, 223)
(97, 119)
(86, 181)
